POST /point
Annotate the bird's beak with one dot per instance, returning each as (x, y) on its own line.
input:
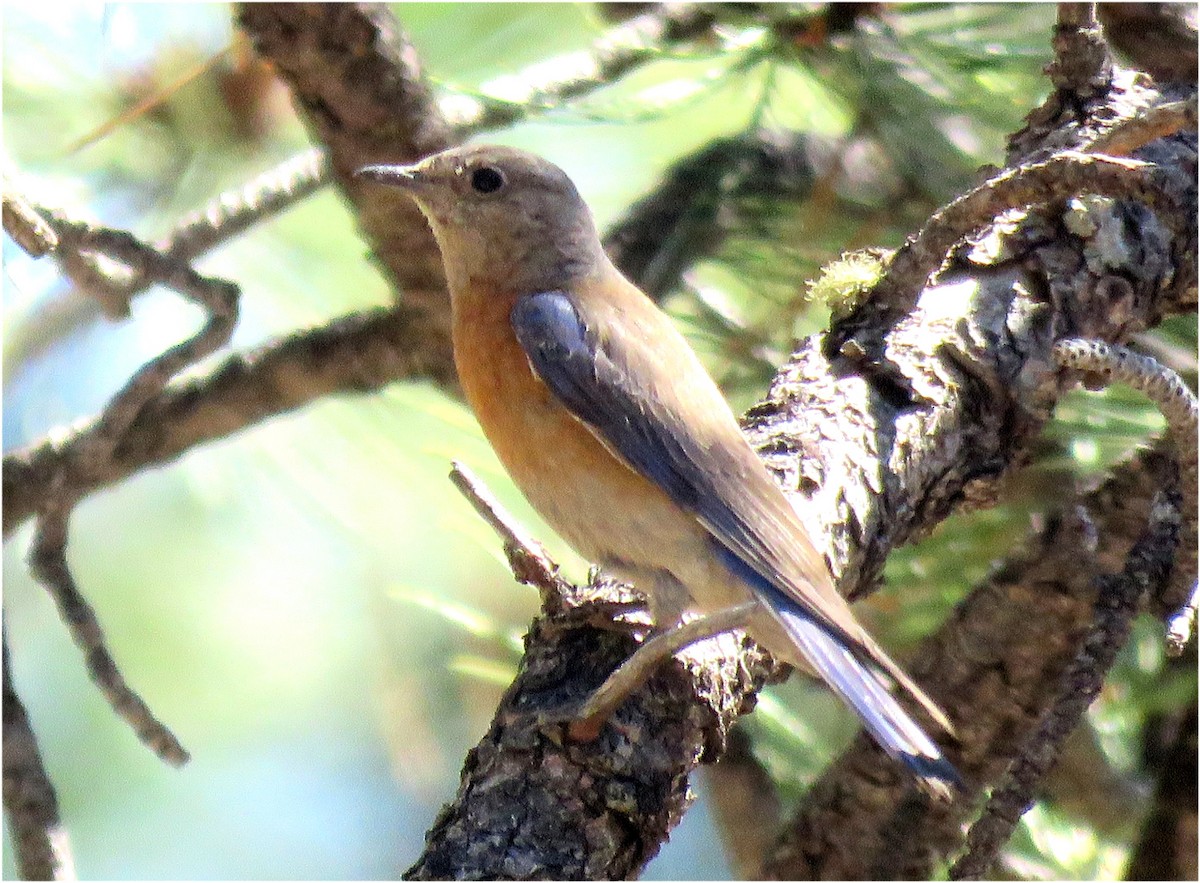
(405, 177)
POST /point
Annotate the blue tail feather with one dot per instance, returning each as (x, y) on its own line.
(859, 684)
(862, 689)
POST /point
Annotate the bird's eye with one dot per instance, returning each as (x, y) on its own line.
(487, 179)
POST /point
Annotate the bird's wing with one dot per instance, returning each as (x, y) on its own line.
(644, 394)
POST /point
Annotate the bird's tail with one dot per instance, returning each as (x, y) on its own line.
(863, 688)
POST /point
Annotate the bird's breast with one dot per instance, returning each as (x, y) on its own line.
(589, 496)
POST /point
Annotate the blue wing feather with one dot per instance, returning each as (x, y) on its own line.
(568, 360)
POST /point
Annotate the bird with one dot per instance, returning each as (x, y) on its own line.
(611, 427)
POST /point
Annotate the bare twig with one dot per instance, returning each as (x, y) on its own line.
(529, 562)
(357, 353)
(25, 225)
(237, 210)
(1082, 64)
(1167, 390)
(1159, 384)
(217, 297)
(1147, 566)
(48, 562)
(94, 449)
(224, 217)
(555, 82)
(1064, 175)
(39, 840)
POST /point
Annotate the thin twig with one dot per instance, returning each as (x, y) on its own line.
(1147, 566)
(557, 81)
(1178, 405)
(30, 804)
(1165, 388)
(226, 216)
(1067, 174)
(95, 447)
(48, 563)
(235, 211)
(529, 562)
(356, 353)
(293, 180)
(155, 99)
(218, 298)
(25, 225)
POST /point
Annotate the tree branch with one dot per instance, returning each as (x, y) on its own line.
(34, 818)
(95, 446)
(995, 667)
(1178, 405)
(987, 666)
(529, 562)
(362, 352)
(1159, 38)
(1147, 568)
(968, 383)
(1167, 847)
(558, 81)
(39, 840)
(1082, 64)
(358, 86)
(1068, 174)
(1158, 122)
(234, 212)
(25, 224)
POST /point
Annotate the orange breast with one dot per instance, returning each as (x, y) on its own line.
(582, 490)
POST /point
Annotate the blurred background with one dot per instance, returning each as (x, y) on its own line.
(309, 604)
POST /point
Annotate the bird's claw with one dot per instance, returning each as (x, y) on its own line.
(581, 725)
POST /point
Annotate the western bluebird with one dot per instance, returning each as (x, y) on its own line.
(613, 430)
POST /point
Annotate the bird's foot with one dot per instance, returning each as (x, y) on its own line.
(579, 723)
(585, 721)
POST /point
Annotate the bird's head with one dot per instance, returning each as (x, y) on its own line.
(501, 216)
